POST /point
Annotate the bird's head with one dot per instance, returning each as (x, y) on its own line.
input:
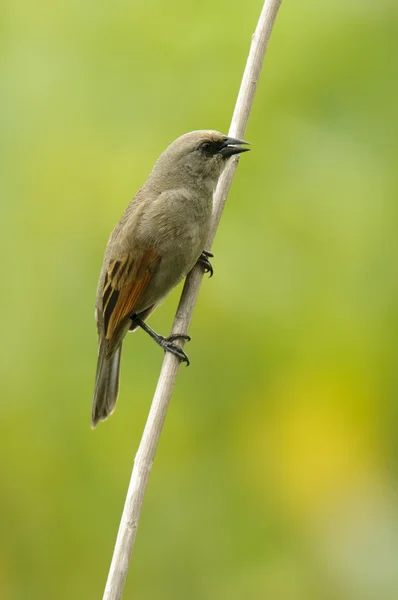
(201, 154)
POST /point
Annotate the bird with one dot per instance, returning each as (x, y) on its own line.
(158, 240)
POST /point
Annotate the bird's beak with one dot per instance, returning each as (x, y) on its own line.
(233, 146)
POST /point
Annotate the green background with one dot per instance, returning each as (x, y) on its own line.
(276, 475)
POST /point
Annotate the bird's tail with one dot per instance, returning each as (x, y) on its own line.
(106, 383)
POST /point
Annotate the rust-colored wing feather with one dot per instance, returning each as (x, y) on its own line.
(125, 283)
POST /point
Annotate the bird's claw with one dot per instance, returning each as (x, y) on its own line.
(168, 345)
(178, 336)
(206, 264)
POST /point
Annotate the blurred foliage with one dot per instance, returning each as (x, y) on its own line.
(276, 473)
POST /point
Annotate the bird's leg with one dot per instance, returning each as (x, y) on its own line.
(206, 264)
(167, 343)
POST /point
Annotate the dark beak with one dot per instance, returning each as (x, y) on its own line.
(233, 146)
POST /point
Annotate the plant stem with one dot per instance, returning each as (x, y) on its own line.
(157, 414)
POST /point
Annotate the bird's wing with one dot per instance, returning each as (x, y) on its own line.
(126, 280)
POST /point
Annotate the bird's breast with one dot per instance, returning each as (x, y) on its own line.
(178, 225)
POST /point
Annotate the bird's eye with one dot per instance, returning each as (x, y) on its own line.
(205, 146)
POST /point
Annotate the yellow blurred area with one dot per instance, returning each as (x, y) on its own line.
(319, 442)
(276, 475)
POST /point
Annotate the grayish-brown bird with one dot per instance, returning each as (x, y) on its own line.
(158, 240)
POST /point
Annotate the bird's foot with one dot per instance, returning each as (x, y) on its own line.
(206, 264)
(168, 345)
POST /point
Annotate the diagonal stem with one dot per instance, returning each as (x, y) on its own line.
(157, 414)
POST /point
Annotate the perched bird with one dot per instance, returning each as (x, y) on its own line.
(158, 240)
